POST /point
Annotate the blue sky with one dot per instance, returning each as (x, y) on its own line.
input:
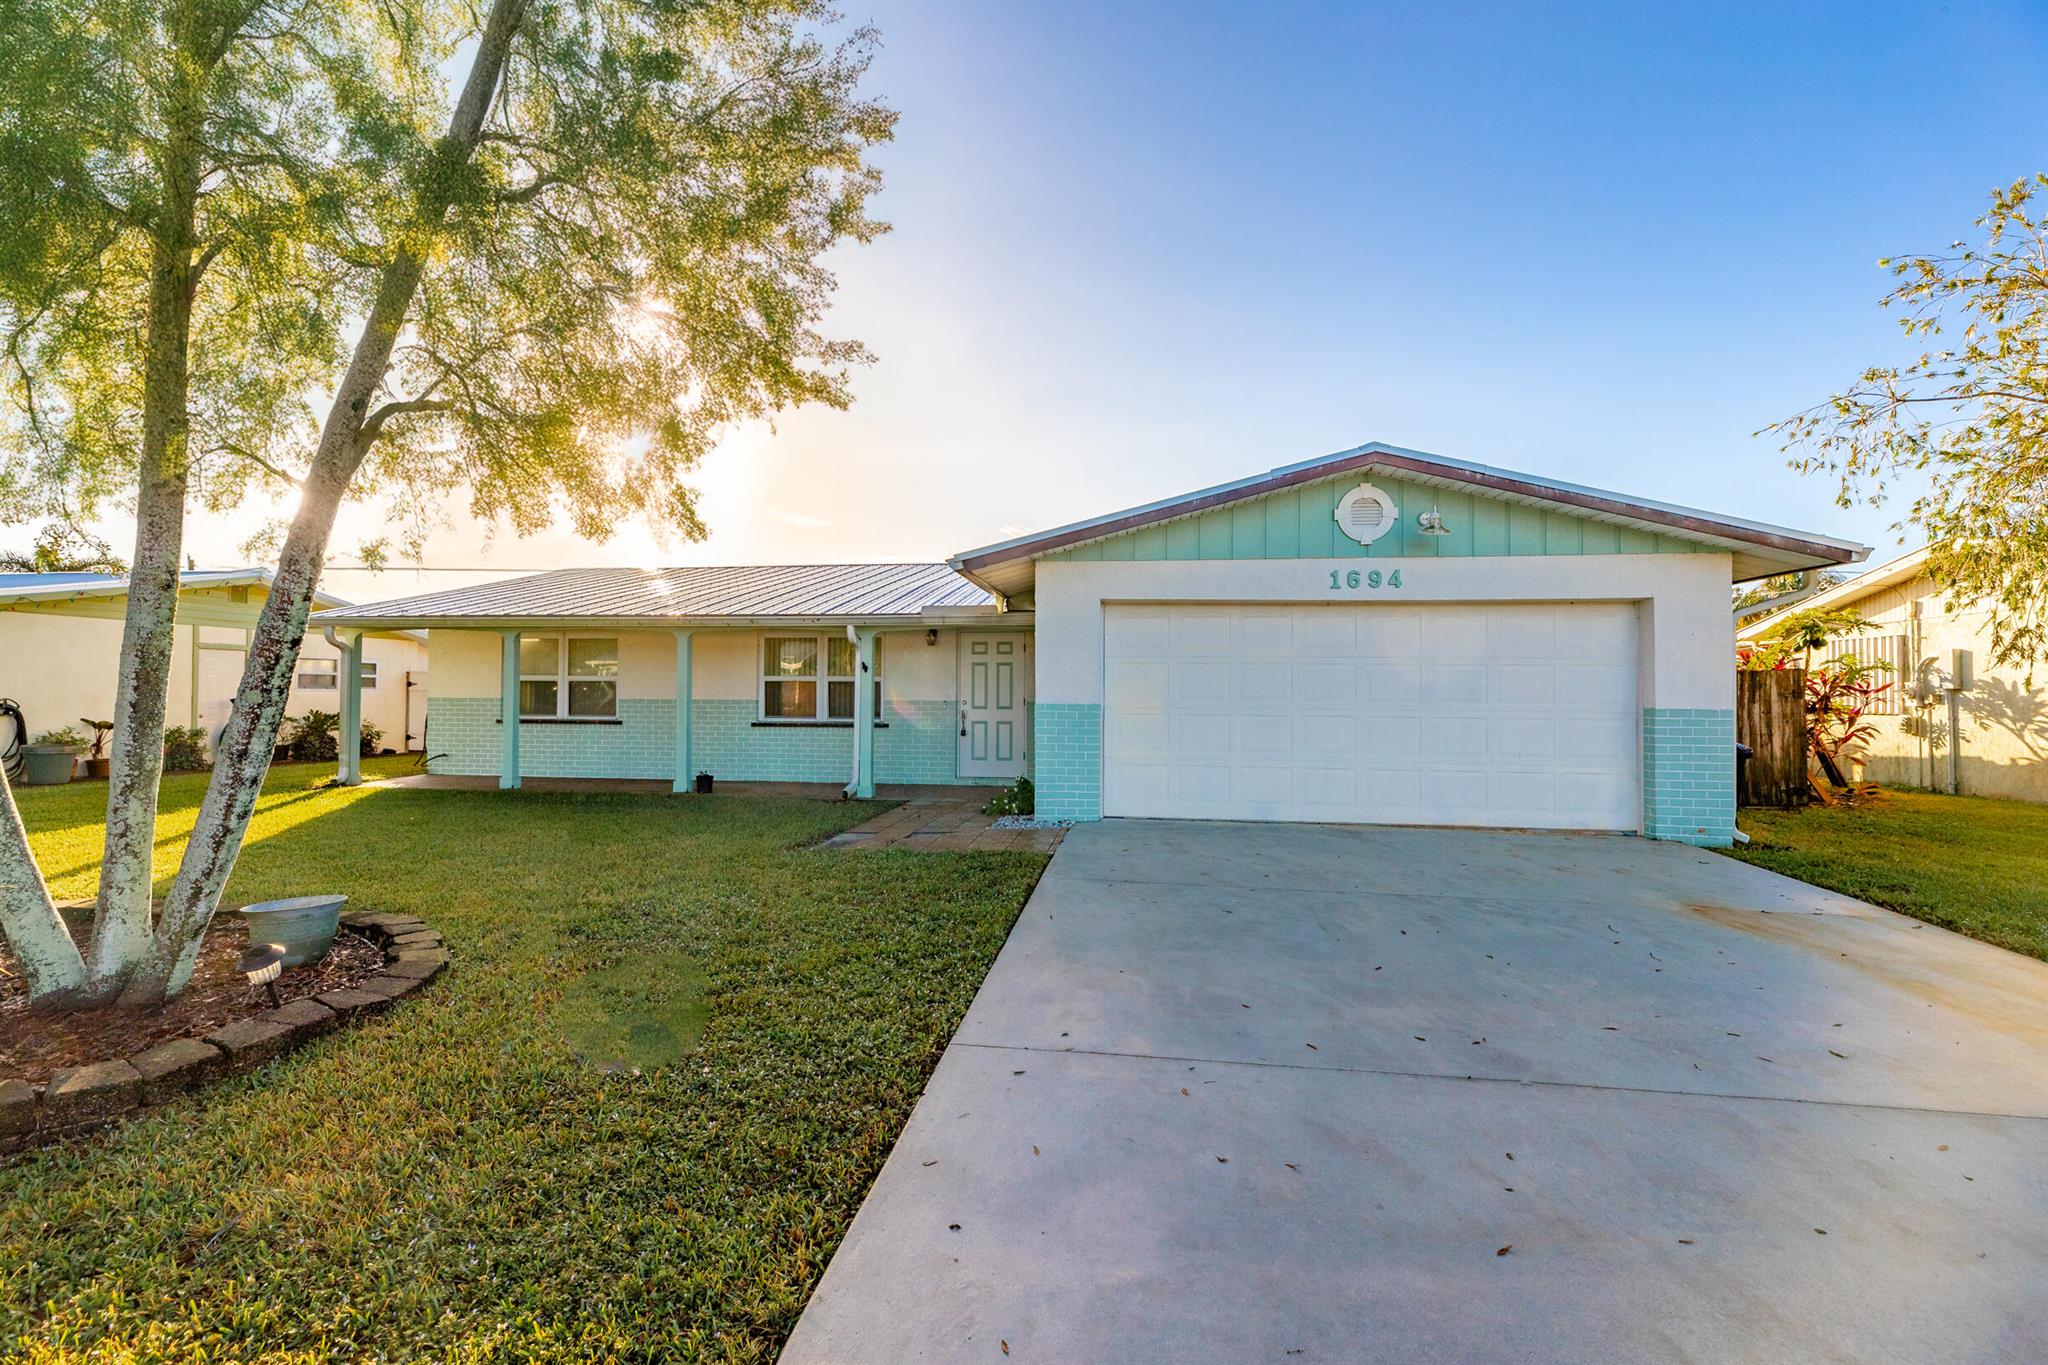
(1143, 248)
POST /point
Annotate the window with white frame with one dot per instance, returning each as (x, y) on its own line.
(324, 675)
(569, 677)
(810, 677)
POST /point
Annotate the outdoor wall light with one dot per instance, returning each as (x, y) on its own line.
(263, 964)
(931, 637)
(1432, 523)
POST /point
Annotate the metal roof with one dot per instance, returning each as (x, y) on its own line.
(58, 587)
(1760, 548)
(741, 592)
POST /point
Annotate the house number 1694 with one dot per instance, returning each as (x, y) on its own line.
(1371, 578)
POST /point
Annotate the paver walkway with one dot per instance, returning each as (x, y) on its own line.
(944, 822)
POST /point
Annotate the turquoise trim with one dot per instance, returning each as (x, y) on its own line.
(915, 744)
(1689, 775)
(1300, 523)
(1067, 763)
(510, 764)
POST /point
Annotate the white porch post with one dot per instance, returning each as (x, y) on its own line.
(863, 784)
(508, 756)
(350, 759)
(684, 777)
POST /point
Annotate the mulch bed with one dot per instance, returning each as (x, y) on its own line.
(32, 1046)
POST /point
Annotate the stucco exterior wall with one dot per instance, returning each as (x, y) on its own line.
(914, 740)
(1686, 684)
(62, 660)
(2004, 740)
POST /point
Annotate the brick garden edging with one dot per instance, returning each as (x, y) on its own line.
(80, 1099)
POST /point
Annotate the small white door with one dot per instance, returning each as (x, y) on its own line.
(994, 675)
(415, 710)
(220, 673)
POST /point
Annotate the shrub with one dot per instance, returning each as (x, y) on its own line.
(1014, 800)
(68, 737)
(185, 749)
(314, 736)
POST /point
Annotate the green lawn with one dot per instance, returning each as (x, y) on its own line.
(451, 1181)
(1968, 863)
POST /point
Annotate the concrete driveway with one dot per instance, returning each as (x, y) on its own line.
(1295, 1093)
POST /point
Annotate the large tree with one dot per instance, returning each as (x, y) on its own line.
(1967, 421)
(610, 249)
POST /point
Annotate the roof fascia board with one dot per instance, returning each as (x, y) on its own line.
(370, 620)
(1889, 574)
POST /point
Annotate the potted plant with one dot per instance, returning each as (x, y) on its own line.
(303, 925)
(51, 756)
(96, 759)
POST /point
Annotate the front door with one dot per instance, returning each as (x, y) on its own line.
(994, 675)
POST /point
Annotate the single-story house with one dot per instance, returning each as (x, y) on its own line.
(2000, 746)
(60, 654)
(1379, 635)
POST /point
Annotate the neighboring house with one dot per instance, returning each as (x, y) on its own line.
(1379, 636)
(60, 654)
(2002, 749)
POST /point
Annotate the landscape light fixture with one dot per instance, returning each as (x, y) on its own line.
(1432, 523)
(263, 964)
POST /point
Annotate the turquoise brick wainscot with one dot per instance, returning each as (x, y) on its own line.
(1067, 760)
(1689, 775)
(914, 743)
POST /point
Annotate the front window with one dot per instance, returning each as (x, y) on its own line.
(810, 677)
(324, 675)
(568, 677)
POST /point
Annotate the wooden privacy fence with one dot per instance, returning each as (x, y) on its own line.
(1770, 717)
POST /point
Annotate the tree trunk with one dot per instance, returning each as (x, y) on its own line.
(121, 920)
(242, 757)
(42, 945)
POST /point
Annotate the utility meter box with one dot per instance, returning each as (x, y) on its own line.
(1962, 673)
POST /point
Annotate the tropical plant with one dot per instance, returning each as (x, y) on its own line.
(549, 288)
(1839, 695)
(1794, 639)
(314, 736)
(1968, 418)
(100, 730)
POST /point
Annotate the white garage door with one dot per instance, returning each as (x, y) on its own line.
(1443, 715)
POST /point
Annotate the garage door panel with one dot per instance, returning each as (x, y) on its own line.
(1386, 737)
(1331, 684)
(1202, 631)
(1198, 735)
(1140, 683)
(1596, 684)
(1139, 634)
(1263, 684)
(1435, 714)
(1455, 684)
(1522, 685)
(1198, 682)
(1266, 632)
(1397, 684)
(1263, 736)
(1511, 633)
(1457, 633)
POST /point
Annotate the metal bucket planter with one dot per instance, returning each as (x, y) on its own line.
(304, 925)
(49, 765)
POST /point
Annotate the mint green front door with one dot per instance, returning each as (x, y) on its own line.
(995, 673)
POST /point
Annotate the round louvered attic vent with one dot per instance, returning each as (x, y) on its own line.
(1365, 514)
